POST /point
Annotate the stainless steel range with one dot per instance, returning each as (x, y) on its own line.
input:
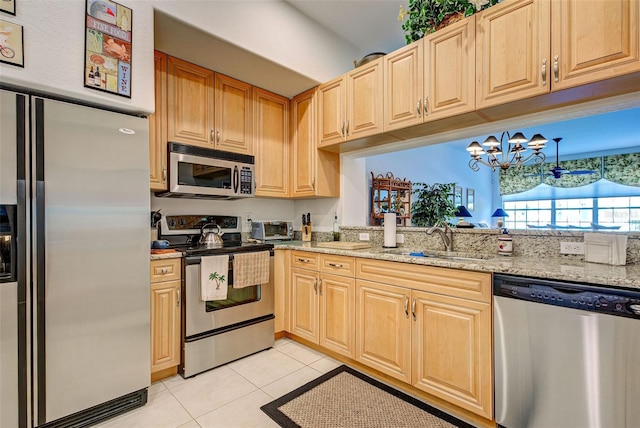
(218, 331)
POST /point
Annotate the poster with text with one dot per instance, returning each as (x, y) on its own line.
(108, 47)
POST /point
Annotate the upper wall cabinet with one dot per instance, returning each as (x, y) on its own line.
(403, 86)
(314, 172)
(593, 40)
(432, 78)
(512, 45)
(233, 115)
(192, 118)
(158, 126)
(271, 138)
(449, 71)
(350, 106)
(530, 47)
(190, 103)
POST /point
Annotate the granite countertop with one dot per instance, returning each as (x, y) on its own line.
(174, 255)
(558, 268)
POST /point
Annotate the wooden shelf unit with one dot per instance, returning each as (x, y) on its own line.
(384, 191)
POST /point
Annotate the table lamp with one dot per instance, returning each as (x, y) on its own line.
(462, 212)
(500, 213)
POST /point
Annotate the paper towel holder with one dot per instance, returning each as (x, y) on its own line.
(389, 224)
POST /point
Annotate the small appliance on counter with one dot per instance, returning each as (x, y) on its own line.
(272, 230)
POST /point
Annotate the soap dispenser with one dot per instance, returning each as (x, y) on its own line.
(505, 243)
(336, 228)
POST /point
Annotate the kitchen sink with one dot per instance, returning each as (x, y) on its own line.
(438, 255)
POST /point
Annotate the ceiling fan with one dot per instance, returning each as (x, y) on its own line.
(558, 171)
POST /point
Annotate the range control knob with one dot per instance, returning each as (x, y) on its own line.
(635, 308)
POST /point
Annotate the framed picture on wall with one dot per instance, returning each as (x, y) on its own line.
(108, 46)
(11, 43)
(471, 199)
(457, 195)
(8, 6)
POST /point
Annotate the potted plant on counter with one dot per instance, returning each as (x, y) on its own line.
(426, 16)
(433, 204)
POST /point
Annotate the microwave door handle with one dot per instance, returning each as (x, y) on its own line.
(236, 177)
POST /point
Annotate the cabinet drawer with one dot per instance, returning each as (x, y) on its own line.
(305, 260)
(337, 265)
(165, 270)
(447, 281)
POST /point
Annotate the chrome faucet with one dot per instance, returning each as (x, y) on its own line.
(445, 233)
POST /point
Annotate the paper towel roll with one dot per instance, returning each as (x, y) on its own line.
(390, 230)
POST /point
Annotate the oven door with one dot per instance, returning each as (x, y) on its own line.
(241, 305)
(201, 176)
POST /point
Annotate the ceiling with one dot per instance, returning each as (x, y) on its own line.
(369, 25)
(372, 26)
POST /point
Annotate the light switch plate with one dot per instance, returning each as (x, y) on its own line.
(363, 236)
(400, 238)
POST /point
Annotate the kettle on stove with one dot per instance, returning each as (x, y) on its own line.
(211, 239)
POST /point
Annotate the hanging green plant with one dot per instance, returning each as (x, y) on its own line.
(433, 204)
(426, 16)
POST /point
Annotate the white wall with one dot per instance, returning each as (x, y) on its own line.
(54, 53)
(441, 163)
(272, 29)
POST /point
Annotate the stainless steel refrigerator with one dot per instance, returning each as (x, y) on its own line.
(74, 277)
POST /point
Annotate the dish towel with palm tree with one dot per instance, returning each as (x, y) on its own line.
(214, 271)
(250, 269)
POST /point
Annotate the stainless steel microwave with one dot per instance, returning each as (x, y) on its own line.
(198, 172)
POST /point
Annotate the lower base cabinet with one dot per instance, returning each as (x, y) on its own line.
(165, 318)
(323, 300)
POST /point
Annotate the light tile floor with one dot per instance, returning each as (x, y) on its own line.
(231, 395)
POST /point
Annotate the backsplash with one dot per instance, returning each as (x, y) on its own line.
(540, 244)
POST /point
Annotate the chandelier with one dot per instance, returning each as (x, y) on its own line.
(503, 156)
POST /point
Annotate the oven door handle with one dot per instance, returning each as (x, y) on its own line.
(236, 179)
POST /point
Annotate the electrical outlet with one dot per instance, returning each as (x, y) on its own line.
(571, 247)
(363, 236)
(247, 216)
(400, 238)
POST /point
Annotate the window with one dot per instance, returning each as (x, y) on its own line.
(611, 213)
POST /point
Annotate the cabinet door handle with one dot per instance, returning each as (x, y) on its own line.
(320, 286)
(178, 300)
(418, 106)
(301, 260)
(425, 106)
(342, 129)
(544, 72)
(164, 174)
(413, 308)
(406, 305)
(347, 130)
(313, 184)
(555, 68)
(217, 136)
(213, 135)
(315, 285)
(335, 265)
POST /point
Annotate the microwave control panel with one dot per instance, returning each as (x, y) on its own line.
(246, 181)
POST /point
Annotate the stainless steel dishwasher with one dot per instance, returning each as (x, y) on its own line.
(566, 354)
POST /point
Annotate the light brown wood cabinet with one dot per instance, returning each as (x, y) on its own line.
(531, 47)
(323, 300)
(271, 138)
(208, 109)
(404, 86)
(429, 327)
(351, 106)
(449, 71)
(314, 172)
(158, 126)
(383, 328)
(190, 98)
(165, 317)
(233, 111)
